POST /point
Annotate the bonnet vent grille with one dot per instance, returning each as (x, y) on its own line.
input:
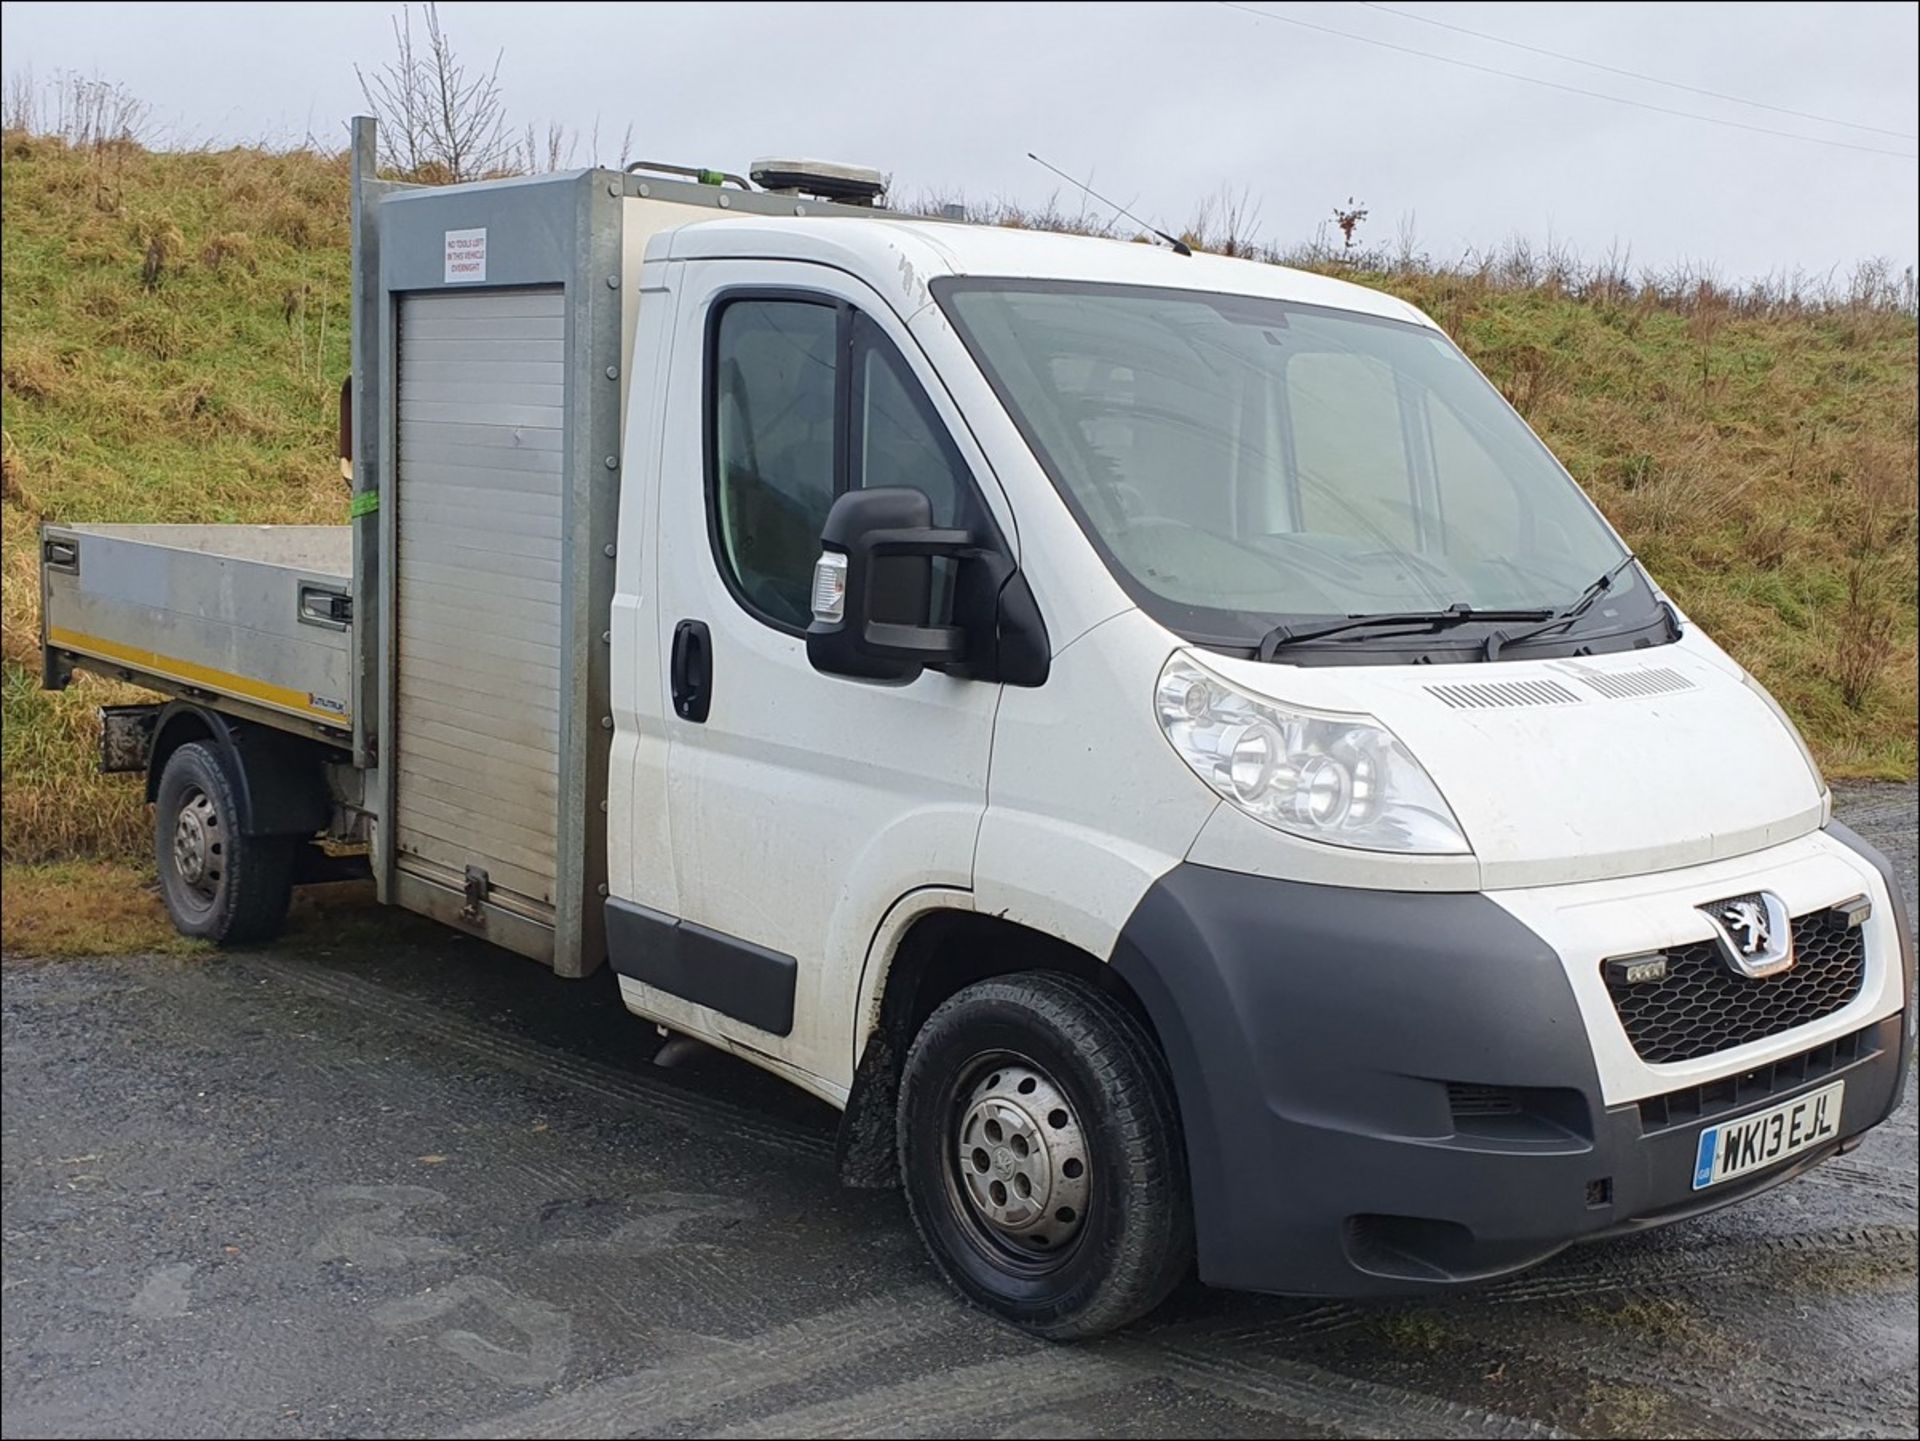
(1489, 695)
(1624, 685)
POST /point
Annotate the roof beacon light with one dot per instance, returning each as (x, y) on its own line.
(822, 179)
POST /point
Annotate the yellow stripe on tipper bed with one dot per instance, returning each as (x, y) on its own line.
(188, 673)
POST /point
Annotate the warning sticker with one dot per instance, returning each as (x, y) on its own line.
(466, 255)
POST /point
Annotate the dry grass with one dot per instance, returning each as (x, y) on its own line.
(85, 908)
(113, 907)
(176, 327)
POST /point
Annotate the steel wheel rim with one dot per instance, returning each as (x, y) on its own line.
(1018, 1166)
(199, 849)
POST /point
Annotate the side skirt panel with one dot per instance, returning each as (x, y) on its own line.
(729, 975)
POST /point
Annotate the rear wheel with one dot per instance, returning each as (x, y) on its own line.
(1042, 1155)
(218, 884)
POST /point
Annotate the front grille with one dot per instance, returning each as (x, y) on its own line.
(1690, 1105)
(1703, 1007)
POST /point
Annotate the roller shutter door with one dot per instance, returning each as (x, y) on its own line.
(478, 589)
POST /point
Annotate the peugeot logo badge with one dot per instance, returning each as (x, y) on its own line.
(1756, 938)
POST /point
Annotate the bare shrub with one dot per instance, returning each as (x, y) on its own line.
(1865, 645)
(20, 107)
(542, 154)
(1013, 215)
(86, 111)
(1225, 224)
(438, 119)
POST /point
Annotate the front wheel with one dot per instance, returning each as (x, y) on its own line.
(219, 885)
(1042, 1155)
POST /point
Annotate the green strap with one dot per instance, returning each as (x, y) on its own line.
(712, 177)
(365, 503)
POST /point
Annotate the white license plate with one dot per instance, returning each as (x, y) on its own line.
(1747, 1143)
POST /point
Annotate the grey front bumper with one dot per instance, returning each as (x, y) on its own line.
(1389, 1091)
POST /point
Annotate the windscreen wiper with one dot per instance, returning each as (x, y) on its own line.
(1283, 635)
(1499, 641)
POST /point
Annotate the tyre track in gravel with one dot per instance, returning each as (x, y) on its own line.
(1859, 1179)
(925, 1398)
(712, 1372)
(1344, 1404)
(705, 1114)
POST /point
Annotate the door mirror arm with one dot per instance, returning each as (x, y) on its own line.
(929, 645)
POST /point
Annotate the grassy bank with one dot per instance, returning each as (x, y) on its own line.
(175, 331)
(176, 326)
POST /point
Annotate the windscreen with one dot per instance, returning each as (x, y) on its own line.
(1241, 461)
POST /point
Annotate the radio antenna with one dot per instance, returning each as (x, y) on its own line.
(1180, 247)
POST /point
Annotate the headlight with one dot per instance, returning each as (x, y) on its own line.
(1343, 779)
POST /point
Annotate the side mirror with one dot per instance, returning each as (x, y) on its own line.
(873, 587)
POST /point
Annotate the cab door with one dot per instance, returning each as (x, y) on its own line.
(801, 805)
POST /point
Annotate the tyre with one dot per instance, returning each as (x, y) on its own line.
(1042, 1157)
(219, 885)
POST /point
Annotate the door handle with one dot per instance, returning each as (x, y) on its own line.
(691, 670)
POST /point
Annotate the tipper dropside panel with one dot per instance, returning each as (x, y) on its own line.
(253, 618)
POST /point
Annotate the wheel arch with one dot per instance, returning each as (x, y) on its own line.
(279, 784)
(936, 950)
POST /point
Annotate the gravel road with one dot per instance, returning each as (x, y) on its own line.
(420, 1187)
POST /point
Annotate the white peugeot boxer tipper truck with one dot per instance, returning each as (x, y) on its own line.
(1154, 738)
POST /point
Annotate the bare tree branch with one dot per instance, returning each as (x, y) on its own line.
(437, 122)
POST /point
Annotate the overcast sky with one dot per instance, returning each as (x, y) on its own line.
(1161, 104)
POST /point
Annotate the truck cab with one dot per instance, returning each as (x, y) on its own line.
(1202, 657)
(1153, 738)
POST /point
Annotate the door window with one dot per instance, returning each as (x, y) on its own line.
(774, 421)
(788, 436)
(898, 440)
